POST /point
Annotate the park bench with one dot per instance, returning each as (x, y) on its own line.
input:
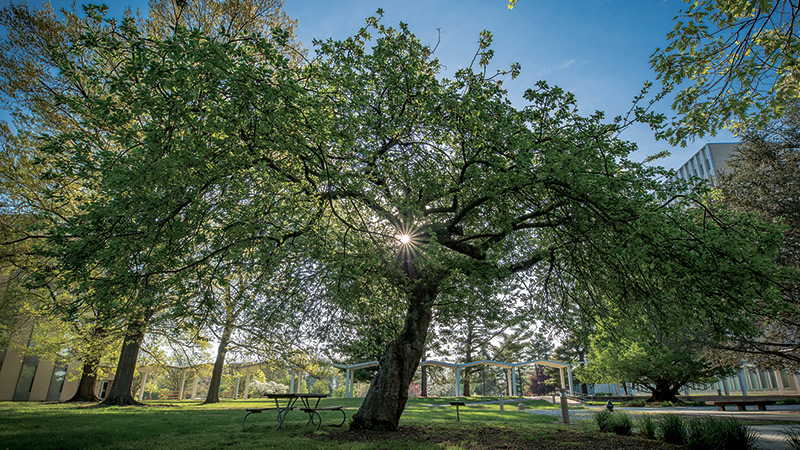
(457, 404)
(315, 412)
(740, 404)
(259, 411)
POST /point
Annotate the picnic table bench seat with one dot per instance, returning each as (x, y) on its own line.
(315, 412)
(741, 404)
(258, 411)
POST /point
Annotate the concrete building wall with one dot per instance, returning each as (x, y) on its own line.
(12, 362)
(707, 161)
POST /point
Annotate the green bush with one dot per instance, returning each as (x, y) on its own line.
(788, 401)
(634, 403)
(712, 433)
(614, 422)
(792, 437)
(602, 419)
(647, 426)
(671, 429)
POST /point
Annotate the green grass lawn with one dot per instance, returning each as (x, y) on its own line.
(189, 425)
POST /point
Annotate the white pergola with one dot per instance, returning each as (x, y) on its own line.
(565, 369)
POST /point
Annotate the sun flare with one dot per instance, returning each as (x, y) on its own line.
(405, 239)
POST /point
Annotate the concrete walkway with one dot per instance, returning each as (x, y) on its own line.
(771, 436)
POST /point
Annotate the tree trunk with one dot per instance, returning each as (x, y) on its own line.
(85, 391)
(424, 382)
(120, 393)
(219, 364)
(664, 392)
(466, 383)
(388, 393)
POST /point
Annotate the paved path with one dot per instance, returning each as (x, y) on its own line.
(772, 437)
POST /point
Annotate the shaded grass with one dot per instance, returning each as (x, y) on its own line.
(190, 425)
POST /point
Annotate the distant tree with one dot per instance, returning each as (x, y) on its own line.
(648, 354)
(733, 63)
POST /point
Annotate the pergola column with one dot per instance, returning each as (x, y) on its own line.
(291, 386)
(194, 386)
(348, 390)
(246, 383)
(144, 382)
(569, 370)
(183, 383)
(563, 383)
(236, 389)
(514, 382)
(458, 382)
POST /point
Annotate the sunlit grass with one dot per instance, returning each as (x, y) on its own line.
(190, 425)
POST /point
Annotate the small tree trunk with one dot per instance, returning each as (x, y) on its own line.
(120, 393)
(85, 391)
(466, 383)
(219, 364)
(388, 393)
(424, 382)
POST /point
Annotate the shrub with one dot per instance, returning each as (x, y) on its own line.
(792, 437)
(602, 419)
(788, 401)
(614, 422)
(647, 426)
(671, 429)
(719, 434)
(634, 403)
(620, 423)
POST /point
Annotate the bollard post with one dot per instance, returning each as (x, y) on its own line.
(564, 407)
(501, 402)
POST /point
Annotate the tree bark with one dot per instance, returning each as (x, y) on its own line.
(664, 392)
(120, 393)
(388, 393)
(219, 364)
(85, 391)
(466, 383)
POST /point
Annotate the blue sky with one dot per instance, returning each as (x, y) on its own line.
(597, 49)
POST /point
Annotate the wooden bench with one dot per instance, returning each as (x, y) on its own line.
(457, 404)
(315, 412)
(740, 404)
(259, 411)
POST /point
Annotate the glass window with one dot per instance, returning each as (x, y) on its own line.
(773, 382)
(25, 380)
(787, 382)
(56, 383)
(700, 166)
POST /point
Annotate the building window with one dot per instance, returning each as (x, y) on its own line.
(700, 166)
(25, 380)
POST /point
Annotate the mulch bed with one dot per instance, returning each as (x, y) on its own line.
(488, 437)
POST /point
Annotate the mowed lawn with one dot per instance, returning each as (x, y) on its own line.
(189, 425)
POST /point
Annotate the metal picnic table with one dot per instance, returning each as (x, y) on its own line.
(291, 399)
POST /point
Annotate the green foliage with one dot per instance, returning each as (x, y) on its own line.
(733, 63)
(719, 434)
(320, 387)
(614, 422)
(791, 436)
(602, 419)
(646, 426)
(671, 429)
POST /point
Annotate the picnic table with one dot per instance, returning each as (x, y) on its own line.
(290, 402)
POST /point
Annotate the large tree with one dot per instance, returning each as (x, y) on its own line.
(763, 177)
(170, 156)
(733, 64)
(439, 184)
